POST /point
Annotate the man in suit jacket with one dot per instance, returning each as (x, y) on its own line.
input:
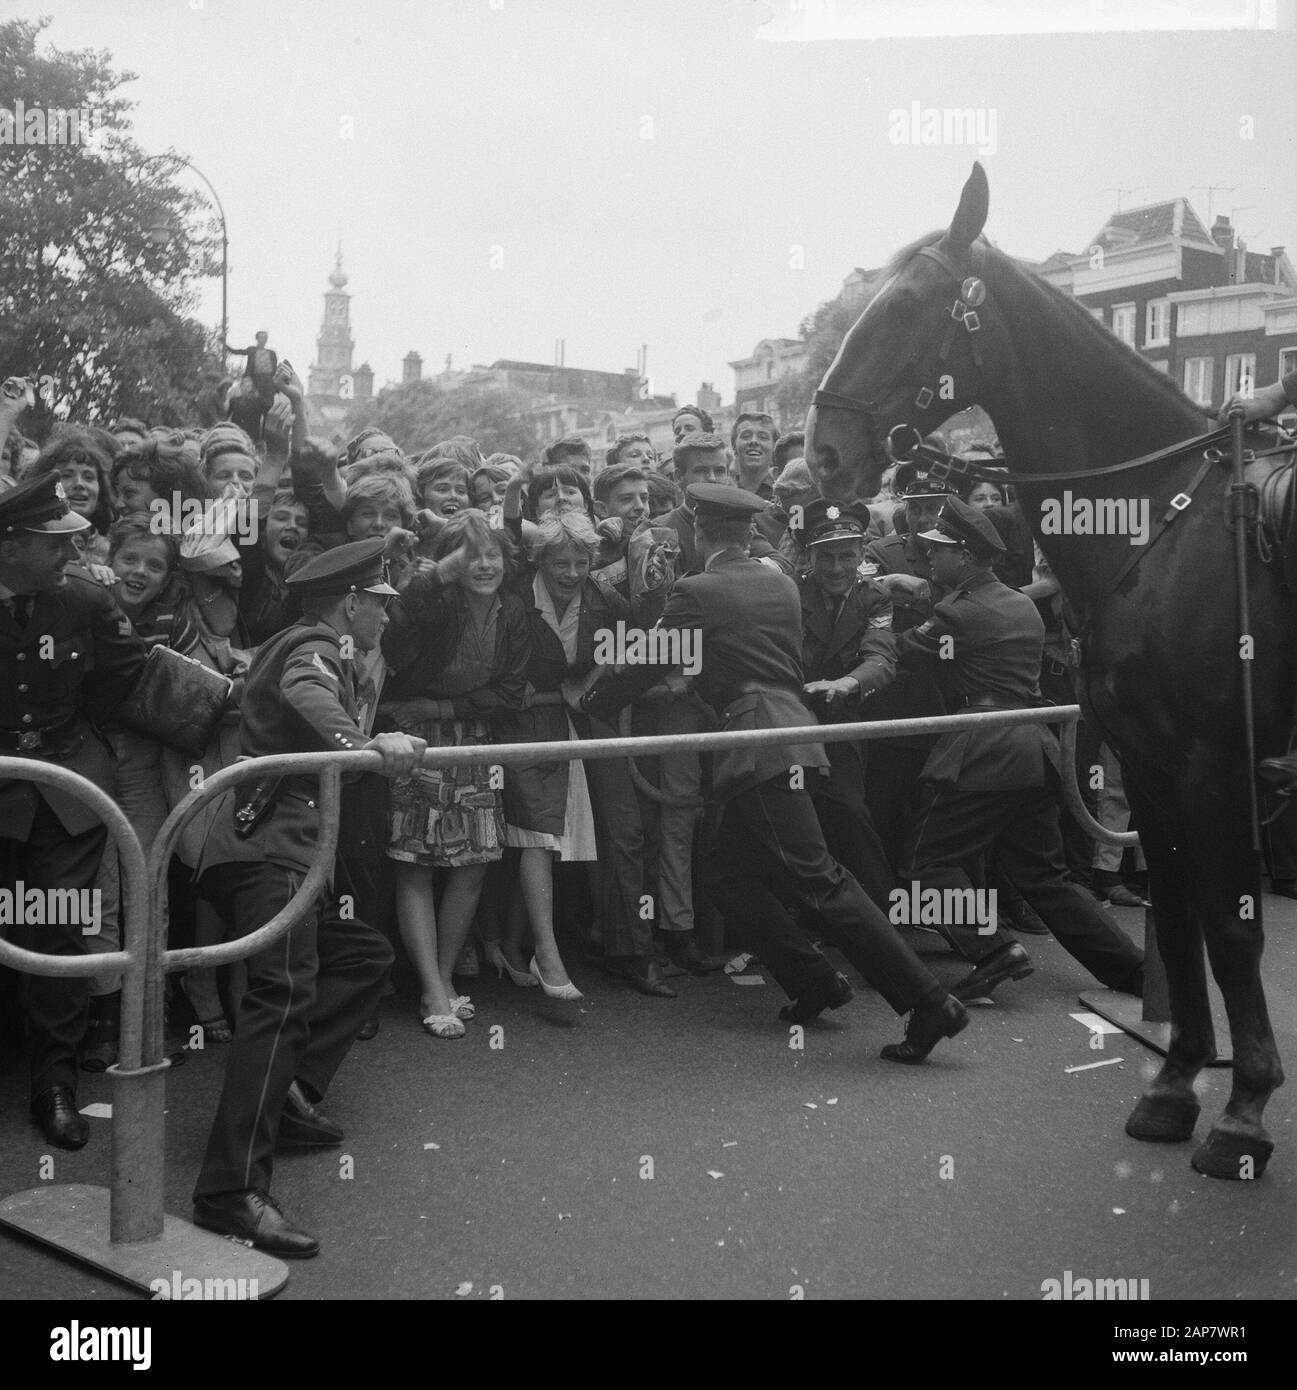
(310, 991)
(68, 657)
(848, 655)
(770, 850)
(995, 789)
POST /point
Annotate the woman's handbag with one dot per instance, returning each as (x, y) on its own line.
(176, 700)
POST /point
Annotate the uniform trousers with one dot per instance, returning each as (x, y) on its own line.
(308, 995)
(56, 1008)
(849, 831)
(770, 855)
(953, 828)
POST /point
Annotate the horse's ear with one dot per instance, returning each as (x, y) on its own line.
(970, 215)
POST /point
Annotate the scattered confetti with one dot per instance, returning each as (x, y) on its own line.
(463, 1290)
(748, 979)
(810, 1105)
(1017, 1040)
(834, 1101)
(1089, 1066)
(729, 1144)
(712, 1173)
(1119, 1211)
(432, 1146)
(98, 1110)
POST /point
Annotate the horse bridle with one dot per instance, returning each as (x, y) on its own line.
(972, 294)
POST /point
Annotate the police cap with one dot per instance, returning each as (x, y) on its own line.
(911, 481)
(960, 524)
(40, 505)
(347, 569)
(721, 502)
(823, 520)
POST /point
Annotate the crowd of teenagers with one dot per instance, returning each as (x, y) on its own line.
(509, 575)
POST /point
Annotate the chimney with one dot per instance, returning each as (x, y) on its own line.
(411, 368)
(708, 398)
(1222, 233)
(1276, 254)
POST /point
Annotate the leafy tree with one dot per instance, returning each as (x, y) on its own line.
(90, 308)
(822, 332)
(420, 414)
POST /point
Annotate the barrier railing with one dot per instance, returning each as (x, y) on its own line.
(144, 1244)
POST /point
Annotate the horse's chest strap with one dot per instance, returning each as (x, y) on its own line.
(1179, 504)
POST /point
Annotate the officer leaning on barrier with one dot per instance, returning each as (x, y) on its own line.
(68, 657)
(310, 991)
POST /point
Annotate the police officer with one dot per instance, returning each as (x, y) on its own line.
(309, 993)
(848, 656)
(68, 657)
(770, 849)
(996, 789)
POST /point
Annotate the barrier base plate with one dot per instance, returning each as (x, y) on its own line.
(191, 1262)
(1127, 1013)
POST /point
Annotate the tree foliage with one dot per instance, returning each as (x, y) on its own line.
(90, 308)
(822, 332)
(420, 414)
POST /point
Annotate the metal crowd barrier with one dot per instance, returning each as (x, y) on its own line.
(143, 1245)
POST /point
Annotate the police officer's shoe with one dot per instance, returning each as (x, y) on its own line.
(926, 1028)
(301, 1126)
(251, 1216)
(644, 974)
(828, 994)
(1281, 773)
(1008, 963)
(682, 949)
(55, 1110)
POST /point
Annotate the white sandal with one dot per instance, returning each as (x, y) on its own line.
(463, 1007)
(444, 1026)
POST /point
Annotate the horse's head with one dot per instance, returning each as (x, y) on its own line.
(912, 360)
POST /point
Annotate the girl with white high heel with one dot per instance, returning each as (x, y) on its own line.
(458, 644)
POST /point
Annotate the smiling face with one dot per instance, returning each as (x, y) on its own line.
(33, 562)
(630, 501)
(447, 495)
(286, 529)
(485, 572)
(834, 564)
(921, 513)
(142, 566)
(563, 569)
(81, 483)
(133, 494)
(754, 448)
(233, 475)
(946, 562)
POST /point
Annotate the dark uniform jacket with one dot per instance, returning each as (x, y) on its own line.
(681, 520)
(73, 663)
(302, 696)
(748, 616)
(993, 662)
(901, 554)
(858, 643)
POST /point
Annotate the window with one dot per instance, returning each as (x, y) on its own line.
(1098, 313)
(1161, 365)
(1157, 323)
(1197, 379)
(1240, 373)
(1287, 361)
(1123, 323)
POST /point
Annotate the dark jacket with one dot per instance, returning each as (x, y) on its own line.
(858, 644)
(424, 633)
(983, 643)
(76, 659)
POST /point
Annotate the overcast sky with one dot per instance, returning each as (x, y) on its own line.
(690, 174)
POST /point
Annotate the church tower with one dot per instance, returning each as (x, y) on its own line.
(335, 343)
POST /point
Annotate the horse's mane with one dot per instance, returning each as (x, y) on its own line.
(1050, 297)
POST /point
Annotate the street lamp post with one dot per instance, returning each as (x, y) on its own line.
(161, 233)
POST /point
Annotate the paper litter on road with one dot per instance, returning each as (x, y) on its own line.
(1089, 1066)
(712, 1173)
(1095, 1024)
(432, 1146)
(748, 979)
(98, 1110)
(463, 1290)
(729, 1143)
(810, 1105)
(739, 964)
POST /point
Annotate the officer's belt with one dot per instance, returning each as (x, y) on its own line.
(53, 740)
(989, 702)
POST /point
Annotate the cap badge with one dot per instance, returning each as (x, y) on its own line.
(833, 513)
(58, 491)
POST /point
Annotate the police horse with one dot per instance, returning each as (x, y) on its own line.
(958, 323)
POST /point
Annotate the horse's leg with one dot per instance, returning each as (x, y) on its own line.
(1229, 887)
(1168, 1109)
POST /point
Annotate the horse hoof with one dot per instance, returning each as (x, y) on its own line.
(1163, 1119)
(1224, 1154)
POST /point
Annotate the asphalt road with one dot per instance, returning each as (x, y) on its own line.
(525, 1167)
